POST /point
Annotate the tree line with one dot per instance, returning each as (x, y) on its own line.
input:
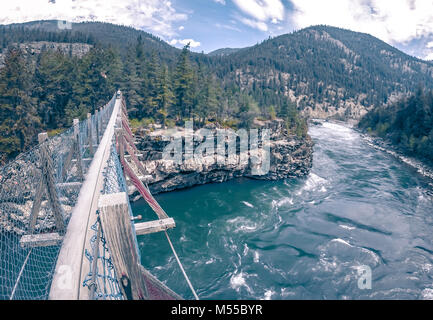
(46, 92)
(407, 123)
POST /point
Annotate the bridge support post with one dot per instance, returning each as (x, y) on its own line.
(75, 150)
(47, 185)
(120, 145)
(97, 126)
(78, 148)
(89, 134)
(100, 122)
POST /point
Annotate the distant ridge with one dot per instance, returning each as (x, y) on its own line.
(224, 51)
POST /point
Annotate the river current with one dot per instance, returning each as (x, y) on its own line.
(359, 209)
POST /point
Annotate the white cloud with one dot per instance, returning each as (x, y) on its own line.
(261, 11)
(156, 16)
(223, 2)
(227, 26)
(192, 43)
(430, 45)
(392, 21)
(254, 24)
(181, 28)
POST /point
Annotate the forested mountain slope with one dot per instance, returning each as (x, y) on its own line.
(327, 71)
(407, 123)
(45, 87)
(322, 71)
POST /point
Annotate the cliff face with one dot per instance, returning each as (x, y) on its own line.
(290, 157)
(32, 49)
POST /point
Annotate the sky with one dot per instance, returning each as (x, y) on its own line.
(212, 24)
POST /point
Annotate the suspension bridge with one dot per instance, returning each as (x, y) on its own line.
(66, 226)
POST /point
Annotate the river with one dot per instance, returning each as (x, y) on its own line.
(360, 208)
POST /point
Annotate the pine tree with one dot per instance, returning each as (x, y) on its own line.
(132, 84)
(18, 120)
(207, 100)
(165, 96)
(152, 87)
(53, 87)
(183, 86)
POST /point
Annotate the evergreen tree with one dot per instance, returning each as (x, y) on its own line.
(183, 86)
(408, 123)
(165, 96)
(18, 120)
(207, 100)
(53, 88)
(152, 87)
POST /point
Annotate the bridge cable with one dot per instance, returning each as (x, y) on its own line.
(181, 267)
(145, 193)
(20, 275)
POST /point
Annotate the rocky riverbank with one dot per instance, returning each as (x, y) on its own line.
(423, 168)
(290, 157)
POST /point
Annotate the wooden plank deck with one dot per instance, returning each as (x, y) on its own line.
(40, 240)
(117, 227)
(68, 185)
(154, 226)
(116, 224)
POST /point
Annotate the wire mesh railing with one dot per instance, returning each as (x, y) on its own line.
(39, 190)
(102, 278)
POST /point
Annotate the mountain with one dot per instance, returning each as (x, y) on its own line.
(105, 34)
(321, 71)
(223, 52)
(49, 76)
(328, 71)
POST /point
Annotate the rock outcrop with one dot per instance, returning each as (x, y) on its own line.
(32, 49)
(290, 157)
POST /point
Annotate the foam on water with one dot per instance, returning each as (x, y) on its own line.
(242, 224)
(237, 281)
(427, 294)
(342, 241)
(246, 249)
(341, 131)
(248, 204)
(256, 257)
(314, 183)
(282, 202)
(268, 294)
(346, 227)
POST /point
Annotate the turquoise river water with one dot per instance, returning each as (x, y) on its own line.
(304, 238)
